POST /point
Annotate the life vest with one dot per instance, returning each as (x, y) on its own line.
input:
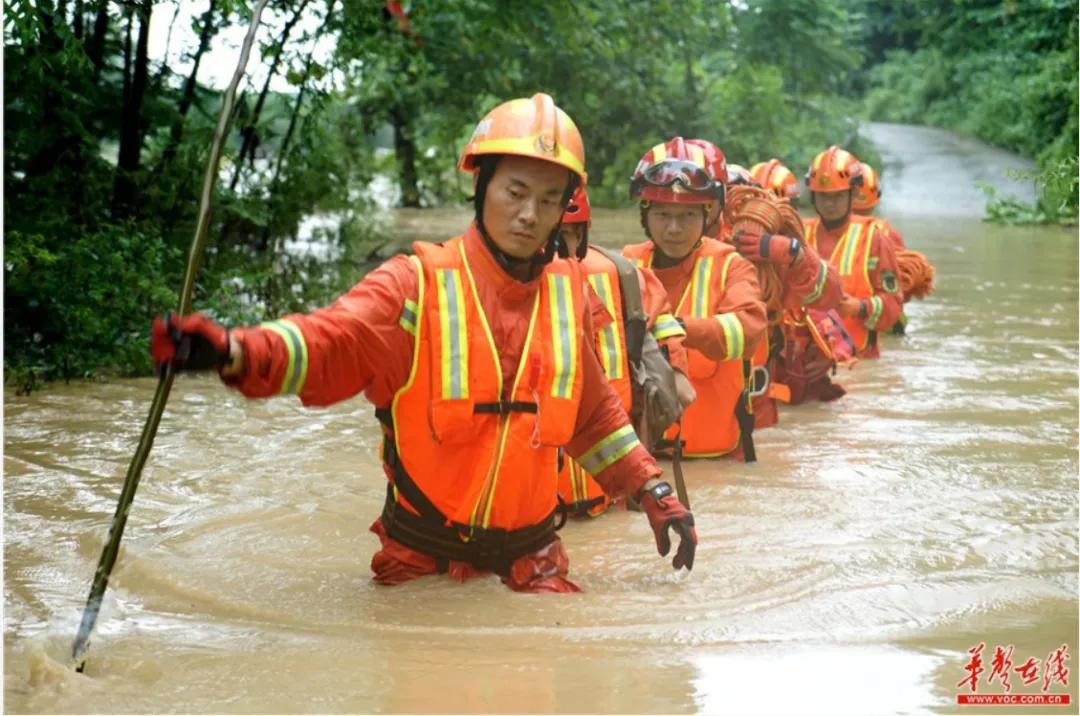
(853, 261)
(471, 453)
(578, 491)
(710, 426)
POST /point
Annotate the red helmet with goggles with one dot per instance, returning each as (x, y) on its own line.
(675, 172)
(739, 175)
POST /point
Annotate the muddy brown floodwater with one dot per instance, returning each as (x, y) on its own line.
(849, 571)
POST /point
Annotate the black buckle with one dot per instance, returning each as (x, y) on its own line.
(505, 407)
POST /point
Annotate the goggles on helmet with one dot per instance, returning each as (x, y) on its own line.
(670, 172)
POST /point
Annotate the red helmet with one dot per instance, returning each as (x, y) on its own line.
(867, 195)
(777, 178)
(715, 164)
(834, 170)
(676, 172)
(739, 175)
(578, 210)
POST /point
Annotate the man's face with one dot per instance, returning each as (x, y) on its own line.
(572, 235)
(832, 206)
(523, 204)
(675, 228)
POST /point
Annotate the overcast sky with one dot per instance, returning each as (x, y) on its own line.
(219, 63)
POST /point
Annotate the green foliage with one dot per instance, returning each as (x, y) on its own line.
(74, 303)
(1056, 186)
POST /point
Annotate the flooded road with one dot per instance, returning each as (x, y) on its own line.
(879, 538)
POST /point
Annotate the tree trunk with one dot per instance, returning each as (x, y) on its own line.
(249, 132)
(44, 160)
(176, 133)
(405, 151)
(77, 21)
(124, 186)
(96, 49)
(404, 147)
(286, 142)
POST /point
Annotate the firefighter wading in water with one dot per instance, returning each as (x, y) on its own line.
(477, 356)
(857, 246)
(714, 290)
(579, 492)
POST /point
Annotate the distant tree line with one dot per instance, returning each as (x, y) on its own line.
(1002, 70)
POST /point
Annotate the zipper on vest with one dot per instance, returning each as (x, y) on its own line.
(482, 510)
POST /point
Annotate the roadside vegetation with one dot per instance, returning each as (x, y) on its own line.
(1005, 72)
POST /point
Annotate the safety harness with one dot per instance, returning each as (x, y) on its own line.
(432, 533)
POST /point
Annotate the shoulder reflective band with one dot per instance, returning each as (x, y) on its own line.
(876, 305)
(564, 334)
(296, 369)
(611, 348)
(408, 316)
(666, 326)
(609, 450)
(454, 337)
(733, 335)
(823, 273)
(702, 274)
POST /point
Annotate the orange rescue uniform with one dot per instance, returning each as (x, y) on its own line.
(866, 262)
(485, 459)
(810, 284)
(579, 492)
(720, 307)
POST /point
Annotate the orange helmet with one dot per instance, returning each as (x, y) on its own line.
(533, 128)
(777, 178)
(867, 195)
(676, 172)
(834, 170)
(740, 175)
(578, 210)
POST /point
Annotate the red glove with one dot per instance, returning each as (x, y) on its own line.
(666, 513)
(192, 342)
(760, 248)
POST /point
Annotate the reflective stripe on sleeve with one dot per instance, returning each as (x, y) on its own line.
(823, 273)
(296, 369)
(408, 316)
(666, 326)
(609, 450)
(876, 306)
(734, 340)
